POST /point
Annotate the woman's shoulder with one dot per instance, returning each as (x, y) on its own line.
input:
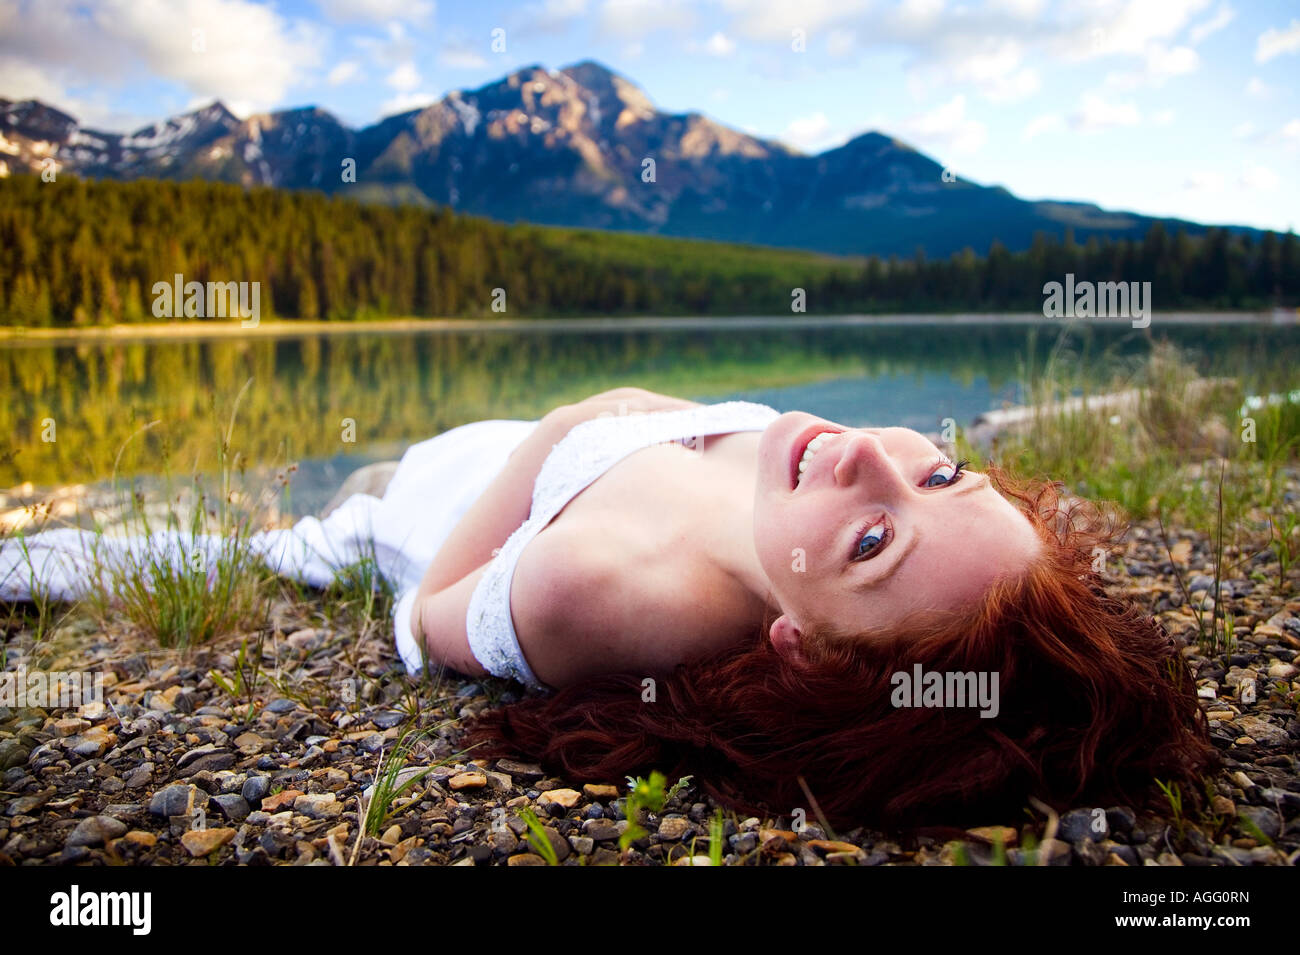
(586, 600)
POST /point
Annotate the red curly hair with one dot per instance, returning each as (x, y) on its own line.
(1095, 700)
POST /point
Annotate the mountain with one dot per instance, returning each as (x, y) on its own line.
(569, 148)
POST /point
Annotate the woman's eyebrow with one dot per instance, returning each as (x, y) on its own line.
(912, 540)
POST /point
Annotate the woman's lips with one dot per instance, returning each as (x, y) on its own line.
(801, 444)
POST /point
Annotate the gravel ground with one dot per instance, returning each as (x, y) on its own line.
(172, 770)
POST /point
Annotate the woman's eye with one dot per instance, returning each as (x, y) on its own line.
(871, 540)
(943, 476)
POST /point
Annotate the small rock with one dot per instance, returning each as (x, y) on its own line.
(597, 791)
(277, 801)
(1077, 825)
(522, 770)
(673, 828)
(469, 780)
(233, 806)
(602, 830)
(255, 789)
(1266, 820)
(567, 798)
(201, 842)
(318, 806)
(175, 800)
(387, 719)
(1263, 731)
(992, 834)
(69, 727)
(95, 831)
(138, 837)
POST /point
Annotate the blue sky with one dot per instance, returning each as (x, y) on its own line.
(1168, 107)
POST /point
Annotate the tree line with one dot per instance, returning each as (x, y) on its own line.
(82, 253)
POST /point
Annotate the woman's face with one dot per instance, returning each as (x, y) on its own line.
(874, 528)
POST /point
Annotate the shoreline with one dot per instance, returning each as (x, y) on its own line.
(282, 328)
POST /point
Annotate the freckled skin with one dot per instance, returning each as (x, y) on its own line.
(958, 538)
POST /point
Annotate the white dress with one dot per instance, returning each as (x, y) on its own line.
(436, 482)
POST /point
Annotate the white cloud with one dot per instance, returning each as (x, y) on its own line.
(1162, 117)
(946, 128)
(1291, 130)
(1204, 182)
(461, 58)
(840, 42)
(1018, 9)
(1257, 87)
(377, 11)
(405, 102)
(237, 51)
(1273, 42)
(1096, 114)
(773, 20)
(1163, 62)
(551, 16)
(637, 18)
(1160, 64)
(1255, 176)
(807, 132)
(1042, 125)
(1222, 17)
(918, 14)
(1243, 130)
(404, 78)
(719, 45)
(348, 69)
(1135, 26)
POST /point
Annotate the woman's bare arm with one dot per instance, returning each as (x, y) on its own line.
(505, 503)
(442, 600)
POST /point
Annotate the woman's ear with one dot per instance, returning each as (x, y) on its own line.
(787, 638)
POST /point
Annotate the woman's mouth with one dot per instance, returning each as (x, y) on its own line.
(806, 445)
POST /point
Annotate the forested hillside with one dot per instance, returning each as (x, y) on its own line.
(84, 253)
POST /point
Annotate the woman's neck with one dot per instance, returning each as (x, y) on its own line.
(729, 539)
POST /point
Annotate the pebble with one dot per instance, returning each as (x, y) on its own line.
(388, 719)
(233, 806)
(522, 770)
(469, 780)
(566, 798)
(602, 830)
(95, 831)
(673, 828)
(1266, 820)
(322, 806)
(255, 789)
(276, 801)
(202, 842)
(175, 800)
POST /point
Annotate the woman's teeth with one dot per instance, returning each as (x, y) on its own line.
(809, 451)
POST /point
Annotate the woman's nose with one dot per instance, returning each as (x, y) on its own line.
(864, 457)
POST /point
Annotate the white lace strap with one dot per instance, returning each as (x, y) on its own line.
(586, 452)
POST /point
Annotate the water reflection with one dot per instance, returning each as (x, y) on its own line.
(334, 402)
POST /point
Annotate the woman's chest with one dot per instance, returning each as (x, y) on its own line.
(665, 489)
(633, 558)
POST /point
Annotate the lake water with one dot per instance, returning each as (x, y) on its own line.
(332, 402)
